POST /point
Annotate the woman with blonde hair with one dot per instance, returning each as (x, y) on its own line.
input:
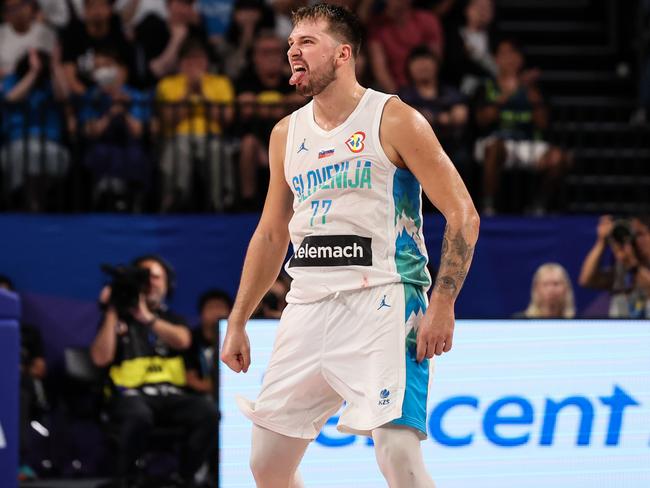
(551, 294)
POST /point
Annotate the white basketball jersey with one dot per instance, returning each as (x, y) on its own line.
(357, 217)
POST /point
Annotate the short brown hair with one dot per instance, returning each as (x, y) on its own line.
(342, 22)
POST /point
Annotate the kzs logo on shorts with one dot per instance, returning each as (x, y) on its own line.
(383, 397)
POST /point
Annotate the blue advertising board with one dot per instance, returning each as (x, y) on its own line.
(515, 403)
(9, 360)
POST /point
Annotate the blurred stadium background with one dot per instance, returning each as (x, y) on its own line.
(135, 127)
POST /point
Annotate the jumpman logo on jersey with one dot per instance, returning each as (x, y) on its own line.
(383, 303)
(303, 147)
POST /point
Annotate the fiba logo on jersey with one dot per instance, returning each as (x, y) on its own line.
(355, 142)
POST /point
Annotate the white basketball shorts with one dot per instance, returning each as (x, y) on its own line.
(356, 347)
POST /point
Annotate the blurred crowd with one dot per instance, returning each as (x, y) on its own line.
(167, 105)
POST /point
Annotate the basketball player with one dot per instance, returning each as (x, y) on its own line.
(345, 187)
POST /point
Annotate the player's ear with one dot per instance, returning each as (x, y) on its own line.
(343, 52)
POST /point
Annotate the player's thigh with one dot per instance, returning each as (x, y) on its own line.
(295, 399)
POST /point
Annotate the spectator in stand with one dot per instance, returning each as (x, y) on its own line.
(133, 12)
(99, 29)
(443, 106)
(264, 97)
(551, 294)
(200, 359)
(160, 41)
(75, 9)
(33, 370)
(468, 51)
(249, 17)
(282, 13)
(55, 13)
(60, 13)
(398, 30)
(216, 16)
(628, 278)
(20, 32)
(114, 117)
(511, 116)
(32, 157)
(195, 108)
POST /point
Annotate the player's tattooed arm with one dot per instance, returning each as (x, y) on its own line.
(455, 259)
(425, 158)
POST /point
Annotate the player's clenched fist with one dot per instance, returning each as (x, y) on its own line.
(236, 350)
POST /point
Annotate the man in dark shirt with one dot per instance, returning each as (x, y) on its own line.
(143, 349)
(442, 105)
(158, 42)
(200, 358)
(100, 29)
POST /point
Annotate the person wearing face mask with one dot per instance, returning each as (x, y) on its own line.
(99, 29)
(113, 117)
(142, 349)
(551, 294)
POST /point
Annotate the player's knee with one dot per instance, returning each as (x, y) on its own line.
(393, 457)
(260, 466)
(267, 472)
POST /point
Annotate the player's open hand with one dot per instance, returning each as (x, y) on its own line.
(435, 333)
(236, 350)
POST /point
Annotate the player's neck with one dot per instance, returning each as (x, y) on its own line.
(334, 105)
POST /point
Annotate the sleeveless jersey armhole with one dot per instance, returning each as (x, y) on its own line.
(375, 130)
(289, 144)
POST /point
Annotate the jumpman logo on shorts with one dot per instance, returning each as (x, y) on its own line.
(383, 303)
(302, 147)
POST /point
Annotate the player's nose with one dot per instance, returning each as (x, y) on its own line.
(293, 52)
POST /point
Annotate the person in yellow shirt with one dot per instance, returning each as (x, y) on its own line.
(194, 108)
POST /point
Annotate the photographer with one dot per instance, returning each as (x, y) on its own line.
(628, 279)
(142, 341)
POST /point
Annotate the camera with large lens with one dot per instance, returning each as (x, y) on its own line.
(127, 283)
(621, 232)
